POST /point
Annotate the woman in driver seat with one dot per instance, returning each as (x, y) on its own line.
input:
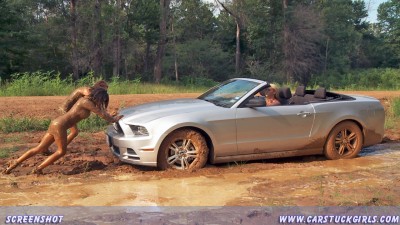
(271, 95)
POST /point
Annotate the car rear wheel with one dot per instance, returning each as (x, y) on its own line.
(344, 141)
(183, 149)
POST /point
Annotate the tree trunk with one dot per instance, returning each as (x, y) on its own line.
(175, 55)
(147, 58)
(238, 50)
(74, 32)
(117, 43)
(116, 54)
(238, 28)
(285, 42)
(164, 7)
(98, 32)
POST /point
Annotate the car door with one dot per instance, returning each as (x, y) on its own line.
(273, 128)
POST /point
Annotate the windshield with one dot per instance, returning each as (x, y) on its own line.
(229, 92)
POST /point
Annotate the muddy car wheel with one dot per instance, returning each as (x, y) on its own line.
(344, 141)
(183, 149)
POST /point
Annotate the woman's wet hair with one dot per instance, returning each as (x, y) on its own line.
(100, 84)
(100, 97)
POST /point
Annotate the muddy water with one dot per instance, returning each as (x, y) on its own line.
(371, 179)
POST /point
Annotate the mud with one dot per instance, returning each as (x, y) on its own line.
(89, 175)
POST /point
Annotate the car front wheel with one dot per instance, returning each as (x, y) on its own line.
(344, 141)
(183, 149)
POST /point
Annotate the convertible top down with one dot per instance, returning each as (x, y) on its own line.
(231, 122)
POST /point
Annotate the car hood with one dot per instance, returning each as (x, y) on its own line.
(151, 111)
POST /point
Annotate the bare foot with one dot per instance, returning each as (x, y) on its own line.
(36, 171)
(11, 165)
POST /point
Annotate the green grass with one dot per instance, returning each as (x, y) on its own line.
(396, 107)
(92, 124)
(12, 139)
(6, 152)
(11, 124)
(51, 84)
(392, 117)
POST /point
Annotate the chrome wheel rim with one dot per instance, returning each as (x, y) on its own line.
(346, 142)
(181, 153)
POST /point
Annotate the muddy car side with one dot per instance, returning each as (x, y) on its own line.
(230, 122)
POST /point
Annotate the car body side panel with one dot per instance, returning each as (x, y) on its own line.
(273, 128)
(367, 112)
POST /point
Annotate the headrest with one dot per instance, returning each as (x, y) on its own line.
(320, 93)
(300, 91)
(285, 93)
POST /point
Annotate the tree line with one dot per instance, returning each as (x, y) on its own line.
(157, 40)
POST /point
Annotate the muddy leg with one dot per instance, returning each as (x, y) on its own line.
(61, 142)
(74, 132)
(44, 144)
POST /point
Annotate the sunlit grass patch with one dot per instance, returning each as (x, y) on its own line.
(396, 107)
(12, 124)
(392, 115)
(50, 83)
(6, 152)
(92, 124)
(12, 139)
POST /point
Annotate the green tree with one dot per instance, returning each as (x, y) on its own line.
(341, 38)
(389, 26)
(194, 50)
(264, 40)
(143, 18)
(14, 37)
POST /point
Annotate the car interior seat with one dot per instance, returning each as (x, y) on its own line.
(319, 94)
(284, 94)
(298, 97)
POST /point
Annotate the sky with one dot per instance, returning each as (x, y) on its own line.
(372, 6)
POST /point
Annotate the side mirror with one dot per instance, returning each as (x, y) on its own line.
(256, 102)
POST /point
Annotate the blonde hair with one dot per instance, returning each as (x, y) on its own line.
(274, 86)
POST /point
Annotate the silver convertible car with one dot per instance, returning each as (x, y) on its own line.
(231, 122)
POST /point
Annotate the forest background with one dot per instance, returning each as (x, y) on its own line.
(313, 42)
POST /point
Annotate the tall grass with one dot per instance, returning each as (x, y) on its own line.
(50, 83)
(371, 79)
(6, 152)
(11, 124)
(36, 84)
(92, 124)
(392, 119)
(396, 107)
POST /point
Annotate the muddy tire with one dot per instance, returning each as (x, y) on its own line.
(344, 141)
(183, 149)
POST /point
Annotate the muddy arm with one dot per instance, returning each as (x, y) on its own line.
(73, 98)
(102, 113)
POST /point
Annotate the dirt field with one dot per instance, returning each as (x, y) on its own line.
(89, 175)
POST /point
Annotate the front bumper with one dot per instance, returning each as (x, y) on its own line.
(131, 149)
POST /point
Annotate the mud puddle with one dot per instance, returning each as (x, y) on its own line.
(371, 179)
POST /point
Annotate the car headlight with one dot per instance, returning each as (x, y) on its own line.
(139, 130)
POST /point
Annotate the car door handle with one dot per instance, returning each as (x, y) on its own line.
(303, 114)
